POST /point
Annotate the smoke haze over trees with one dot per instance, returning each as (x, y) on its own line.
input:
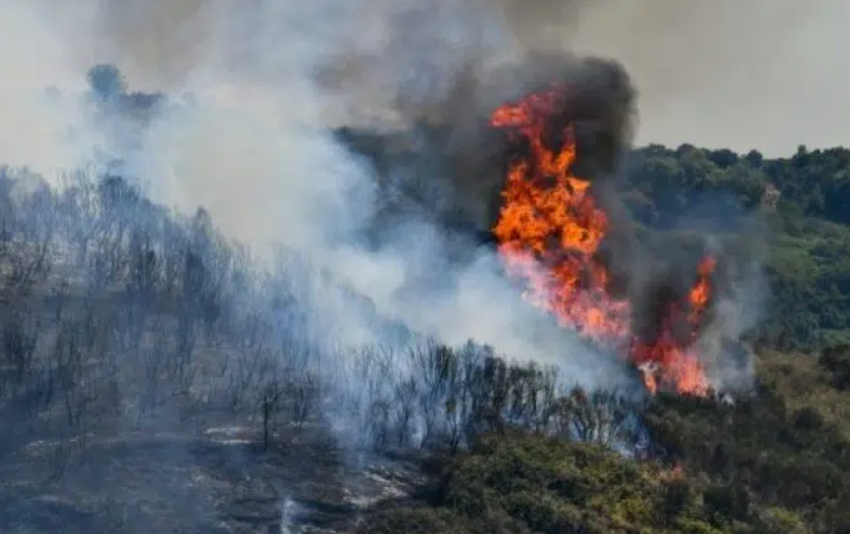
(125, 324)
(200, 330)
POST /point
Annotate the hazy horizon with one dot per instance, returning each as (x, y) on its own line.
(766, 75)
(763, 74)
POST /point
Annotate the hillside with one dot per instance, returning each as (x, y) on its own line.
(775, 460)
(149, 369)
(155, 377)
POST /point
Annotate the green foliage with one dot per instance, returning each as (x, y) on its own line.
(775, 462)
(808, 268)
(523, 484)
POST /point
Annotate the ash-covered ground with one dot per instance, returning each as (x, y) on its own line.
(219, 480)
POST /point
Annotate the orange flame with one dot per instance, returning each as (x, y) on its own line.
(549, 232)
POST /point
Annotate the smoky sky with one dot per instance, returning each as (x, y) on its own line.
(765, 74)
(269, 79)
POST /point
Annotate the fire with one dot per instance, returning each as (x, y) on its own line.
(549, 232)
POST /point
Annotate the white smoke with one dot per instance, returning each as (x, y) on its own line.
(246, 134)
(39, 128)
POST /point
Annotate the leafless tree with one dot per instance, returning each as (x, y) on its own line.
(599, 417)
(33, 237)
(19, 333)
(434, 368)
(404, 405)
(270, 391)
(73, 347)
(80, 207)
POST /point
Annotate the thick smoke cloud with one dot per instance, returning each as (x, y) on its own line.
(762, 74)
(759, 74)
(254, 92)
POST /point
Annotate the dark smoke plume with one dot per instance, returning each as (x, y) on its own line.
(450, 165)
(451, 151)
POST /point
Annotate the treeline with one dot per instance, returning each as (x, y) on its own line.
(811, 183)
